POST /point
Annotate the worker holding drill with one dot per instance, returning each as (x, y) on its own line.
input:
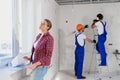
(79, 50)
(100, 47)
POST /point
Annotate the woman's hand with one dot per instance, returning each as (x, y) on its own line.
(33, 66)
(26, 58)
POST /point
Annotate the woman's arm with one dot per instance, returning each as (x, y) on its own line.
(26, 58)
(33, 66)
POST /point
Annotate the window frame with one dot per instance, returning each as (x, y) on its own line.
(5, 61)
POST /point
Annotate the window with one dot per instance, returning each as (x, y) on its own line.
(26, 25)
(6, 25)
(16, 28)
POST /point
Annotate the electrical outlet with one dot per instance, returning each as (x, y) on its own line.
(110, 44)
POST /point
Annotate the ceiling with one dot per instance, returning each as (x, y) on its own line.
(73, 2)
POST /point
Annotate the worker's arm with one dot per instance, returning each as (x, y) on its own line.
(89, 40)
(93, 26)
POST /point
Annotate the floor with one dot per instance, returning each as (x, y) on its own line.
(69, 75)
(110, 72)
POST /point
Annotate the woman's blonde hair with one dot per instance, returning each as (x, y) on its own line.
(49, 24)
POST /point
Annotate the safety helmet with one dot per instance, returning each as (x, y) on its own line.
(79, 27)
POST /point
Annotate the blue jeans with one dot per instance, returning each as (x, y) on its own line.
(39, 73)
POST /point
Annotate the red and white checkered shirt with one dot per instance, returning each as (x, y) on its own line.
(43, 50)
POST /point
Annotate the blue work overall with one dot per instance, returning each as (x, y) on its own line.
(100, 45)
(79, 57)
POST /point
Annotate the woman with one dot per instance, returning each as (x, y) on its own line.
(41, 51)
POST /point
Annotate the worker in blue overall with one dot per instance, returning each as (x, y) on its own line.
(79, 50)
(100, 47)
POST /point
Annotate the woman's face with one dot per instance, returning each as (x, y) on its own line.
(43, 27)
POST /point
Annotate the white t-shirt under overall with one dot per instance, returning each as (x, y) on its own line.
(81, 39)
(100, 27)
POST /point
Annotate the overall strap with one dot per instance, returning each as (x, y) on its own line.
(104, 25)
(76, 41)
(76, 35)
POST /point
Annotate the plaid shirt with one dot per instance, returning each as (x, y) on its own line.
(43, 50)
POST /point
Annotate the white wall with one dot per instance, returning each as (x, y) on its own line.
(85, 14)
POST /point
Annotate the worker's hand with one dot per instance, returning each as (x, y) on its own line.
(94, 41)
(26, 58)
(86, 26)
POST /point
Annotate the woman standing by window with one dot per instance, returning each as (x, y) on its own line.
(41, 51)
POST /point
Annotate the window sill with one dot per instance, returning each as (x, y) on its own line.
(12, 73)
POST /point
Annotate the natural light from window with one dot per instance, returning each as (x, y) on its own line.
(5, 28)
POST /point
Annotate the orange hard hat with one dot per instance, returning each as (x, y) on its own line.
(79, 27)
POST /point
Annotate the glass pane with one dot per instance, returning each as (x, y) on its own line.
(5, 28)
